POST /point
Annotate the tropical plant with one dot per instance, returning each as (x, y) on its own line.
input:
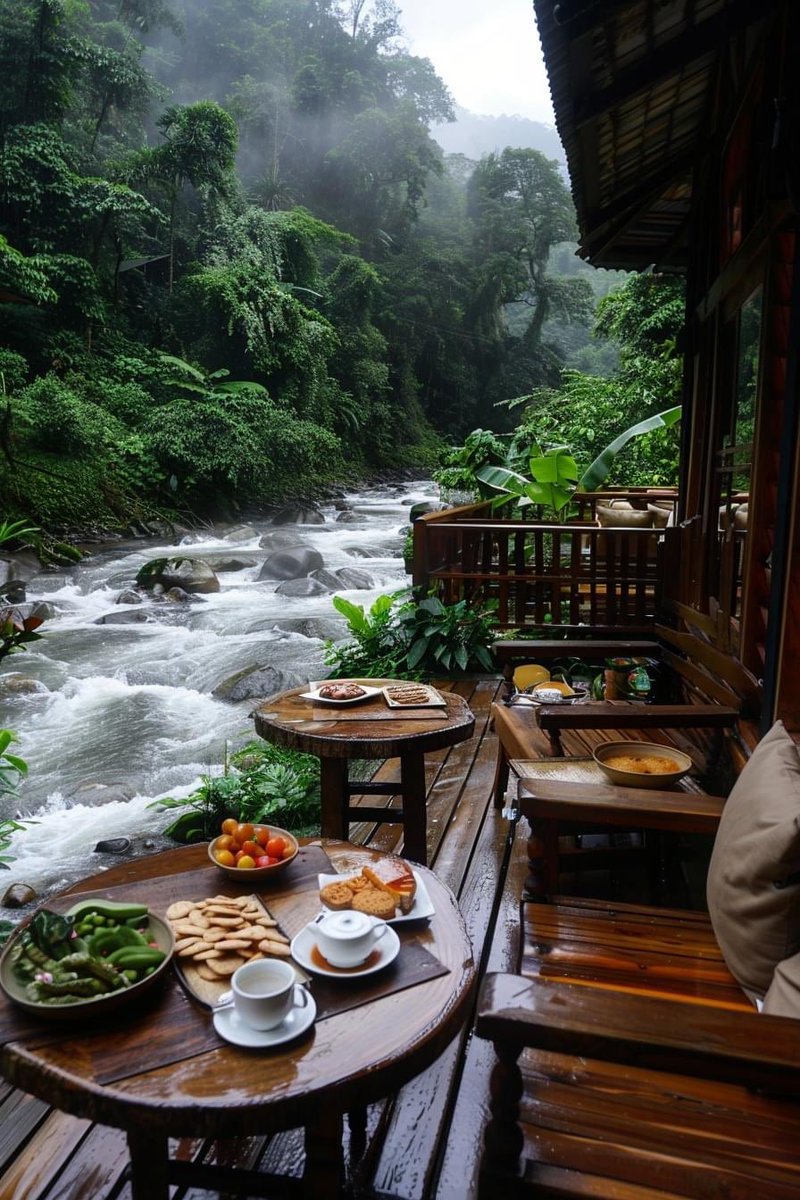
(12, 770)
(554, 478)
(261, 783)
(399, 637)
(597, 473)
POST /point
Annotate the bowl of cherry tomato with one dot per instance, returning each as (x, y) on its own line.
(245, 850)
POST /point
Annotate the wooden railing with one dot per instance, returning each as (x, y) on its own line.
(541, 573)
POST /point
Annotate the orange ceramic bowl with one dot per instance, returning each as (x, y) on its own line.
(250, 873)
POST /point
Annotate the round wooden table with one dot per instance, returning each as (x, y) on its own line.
(163, 1072)
(368, 731)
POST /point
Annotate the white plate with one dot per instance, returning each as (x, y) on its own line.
(435, 699)
(388, 947)
(317, 699)
(421, 908)
(232, 1028)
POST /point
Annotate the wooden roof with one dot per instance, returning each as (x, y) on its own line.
(633, 84)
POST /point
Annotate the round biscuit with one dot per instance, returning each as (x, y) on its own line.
(181, 908)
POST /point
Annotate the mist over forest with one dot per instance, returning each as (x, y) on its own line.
(236, 265)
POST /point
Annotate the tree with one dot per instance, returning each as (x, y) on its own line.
(521, 209)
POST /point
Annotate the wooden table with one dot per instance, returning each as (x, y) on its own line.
(368, 731)
(163, 1071)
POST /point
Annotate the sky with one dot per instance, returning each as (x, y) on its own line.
(486, 51)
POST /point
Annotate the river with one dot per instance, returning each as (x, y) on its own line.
(131, 707)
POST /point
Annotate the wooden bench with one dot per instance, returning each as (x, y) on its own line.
(629, 1062)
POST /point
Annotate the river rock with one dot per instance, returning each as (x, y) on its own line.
(422, 507)
(353, 577)
(365, 551)
(13, 591)
(302, 587)
(347, 517)
(291, 564)
(278, 539)
(253, 683)
(129, 596)
(95, 795)
(240, 533)
(120, 845)
(329, 579)
(231, 562)
(17, 684)
(177, 595)
(299, 514)
(317, 628)
(18, 895)
(129, 616)
(191, 574)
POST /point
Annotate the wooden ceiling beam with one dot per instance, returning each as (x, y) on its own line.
(693, 44)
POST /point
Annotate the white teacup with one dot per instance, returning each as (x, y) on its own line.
(346, 939)
(265, 991)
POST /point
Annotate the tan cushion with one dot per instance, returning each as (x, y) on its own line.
(753, 886)
(660, 515)
(624, 518)
(783, 997)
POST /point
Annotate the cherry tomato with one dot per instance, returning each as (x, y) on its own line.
(224, 858)
(230, 825)
(288, 852)
(264, 860)
(244, 833)
(276, 846)
(251, 849)
(245, 863)
(224, 842)
(261, 835)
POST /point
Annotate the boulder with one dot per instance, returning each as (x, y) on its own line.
(120, 845)
(176, 595)
(13, 591)
(17, 684)
(240, 533)
(291, 564)
(278, 539)
(129, 596)
(353, 577)
(129, 616)
(253, 683)
(424, 506)
(365, 551)
(18, 895)
(299, 514)
(191, 574)
(230, 562)
(329, 579)
(95, 795)
(302, 588)
(347, 517)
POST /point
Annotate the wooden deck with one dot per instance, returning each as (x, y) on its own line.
(422, 1143)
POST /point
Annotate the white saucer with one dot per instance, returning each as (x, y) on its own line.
(420, 909)
(232, 1028)
(388, 947)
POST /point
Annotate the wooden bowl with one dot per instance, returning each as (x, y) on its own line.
(641, 779)
(243, 874)
(94, 1006)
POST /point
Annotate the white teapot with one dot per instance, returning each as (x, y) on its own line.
(346, 939)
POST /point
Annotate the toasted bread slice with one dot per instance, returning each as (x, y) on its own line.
(393, 875)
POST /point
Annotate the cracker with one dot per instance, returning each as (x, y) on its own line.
(181, 908)
(225, 965)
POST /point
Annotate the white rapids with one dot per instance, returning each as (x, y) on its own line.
(131, 706)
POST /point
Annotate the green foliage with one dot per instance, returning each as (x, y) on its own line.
(12, 770)
(553, 479)
(461, 465)
(261, 783)
(597, 473)
(398, 637)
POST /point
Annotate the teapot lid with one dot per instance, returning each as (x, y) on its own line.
(345, 924)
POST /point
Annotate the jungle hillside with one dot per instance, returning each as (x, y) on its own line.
(236, 267)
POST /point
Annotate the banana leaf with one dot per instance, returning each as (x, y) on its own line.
(597, 473)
